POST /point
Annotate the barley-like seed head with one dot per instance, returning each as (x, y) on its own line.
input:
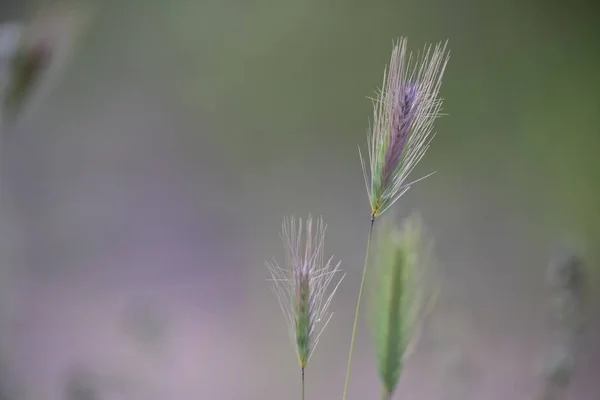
(405, 109)
(306, 285)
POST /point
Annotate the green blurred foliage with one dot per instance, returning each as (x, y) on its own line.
(521, 89)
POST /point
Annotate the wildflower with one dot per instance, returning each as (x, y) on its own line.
(303, 286)
(404, 113)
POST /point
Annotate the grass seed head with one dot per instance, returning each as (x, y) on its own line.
(405, 109)
(306, 284)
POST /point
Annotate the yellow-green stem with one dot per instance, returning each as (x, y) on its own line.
(356, 315)
(385, 395)
(302, 383)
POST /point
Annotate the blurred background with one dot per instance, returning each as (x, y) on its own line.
(142, 194)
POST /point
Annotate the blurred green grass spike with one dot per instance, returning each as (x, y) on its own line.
(399, 298)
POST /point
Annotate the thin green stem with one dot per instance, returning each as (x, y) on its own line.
(385, 395)
(362, 283)
(302, 383)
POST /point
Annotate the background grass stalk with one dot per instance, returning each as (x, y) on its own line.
(394, 316)
(566, 281)
(397, 293)
(357, 312)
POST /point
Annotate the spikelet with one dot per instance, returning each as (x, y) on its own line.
(405, 110)
(306, 285)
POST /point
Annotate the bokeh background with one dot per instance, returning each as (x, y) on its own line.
(141, 198)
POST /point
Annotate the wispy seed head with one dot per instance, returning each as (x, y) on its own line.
(306, 285)
(404, 113)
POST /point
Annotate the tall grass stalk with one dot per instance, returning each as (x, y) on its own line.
(405, 109)
(305, 286)
(357, 312)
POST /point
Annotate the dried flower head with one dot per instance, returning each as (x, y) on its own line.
(400, 297)
(307, 284)
(404, 113)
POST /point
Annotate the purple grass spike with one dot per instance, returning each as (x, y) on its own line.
(405, 110)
